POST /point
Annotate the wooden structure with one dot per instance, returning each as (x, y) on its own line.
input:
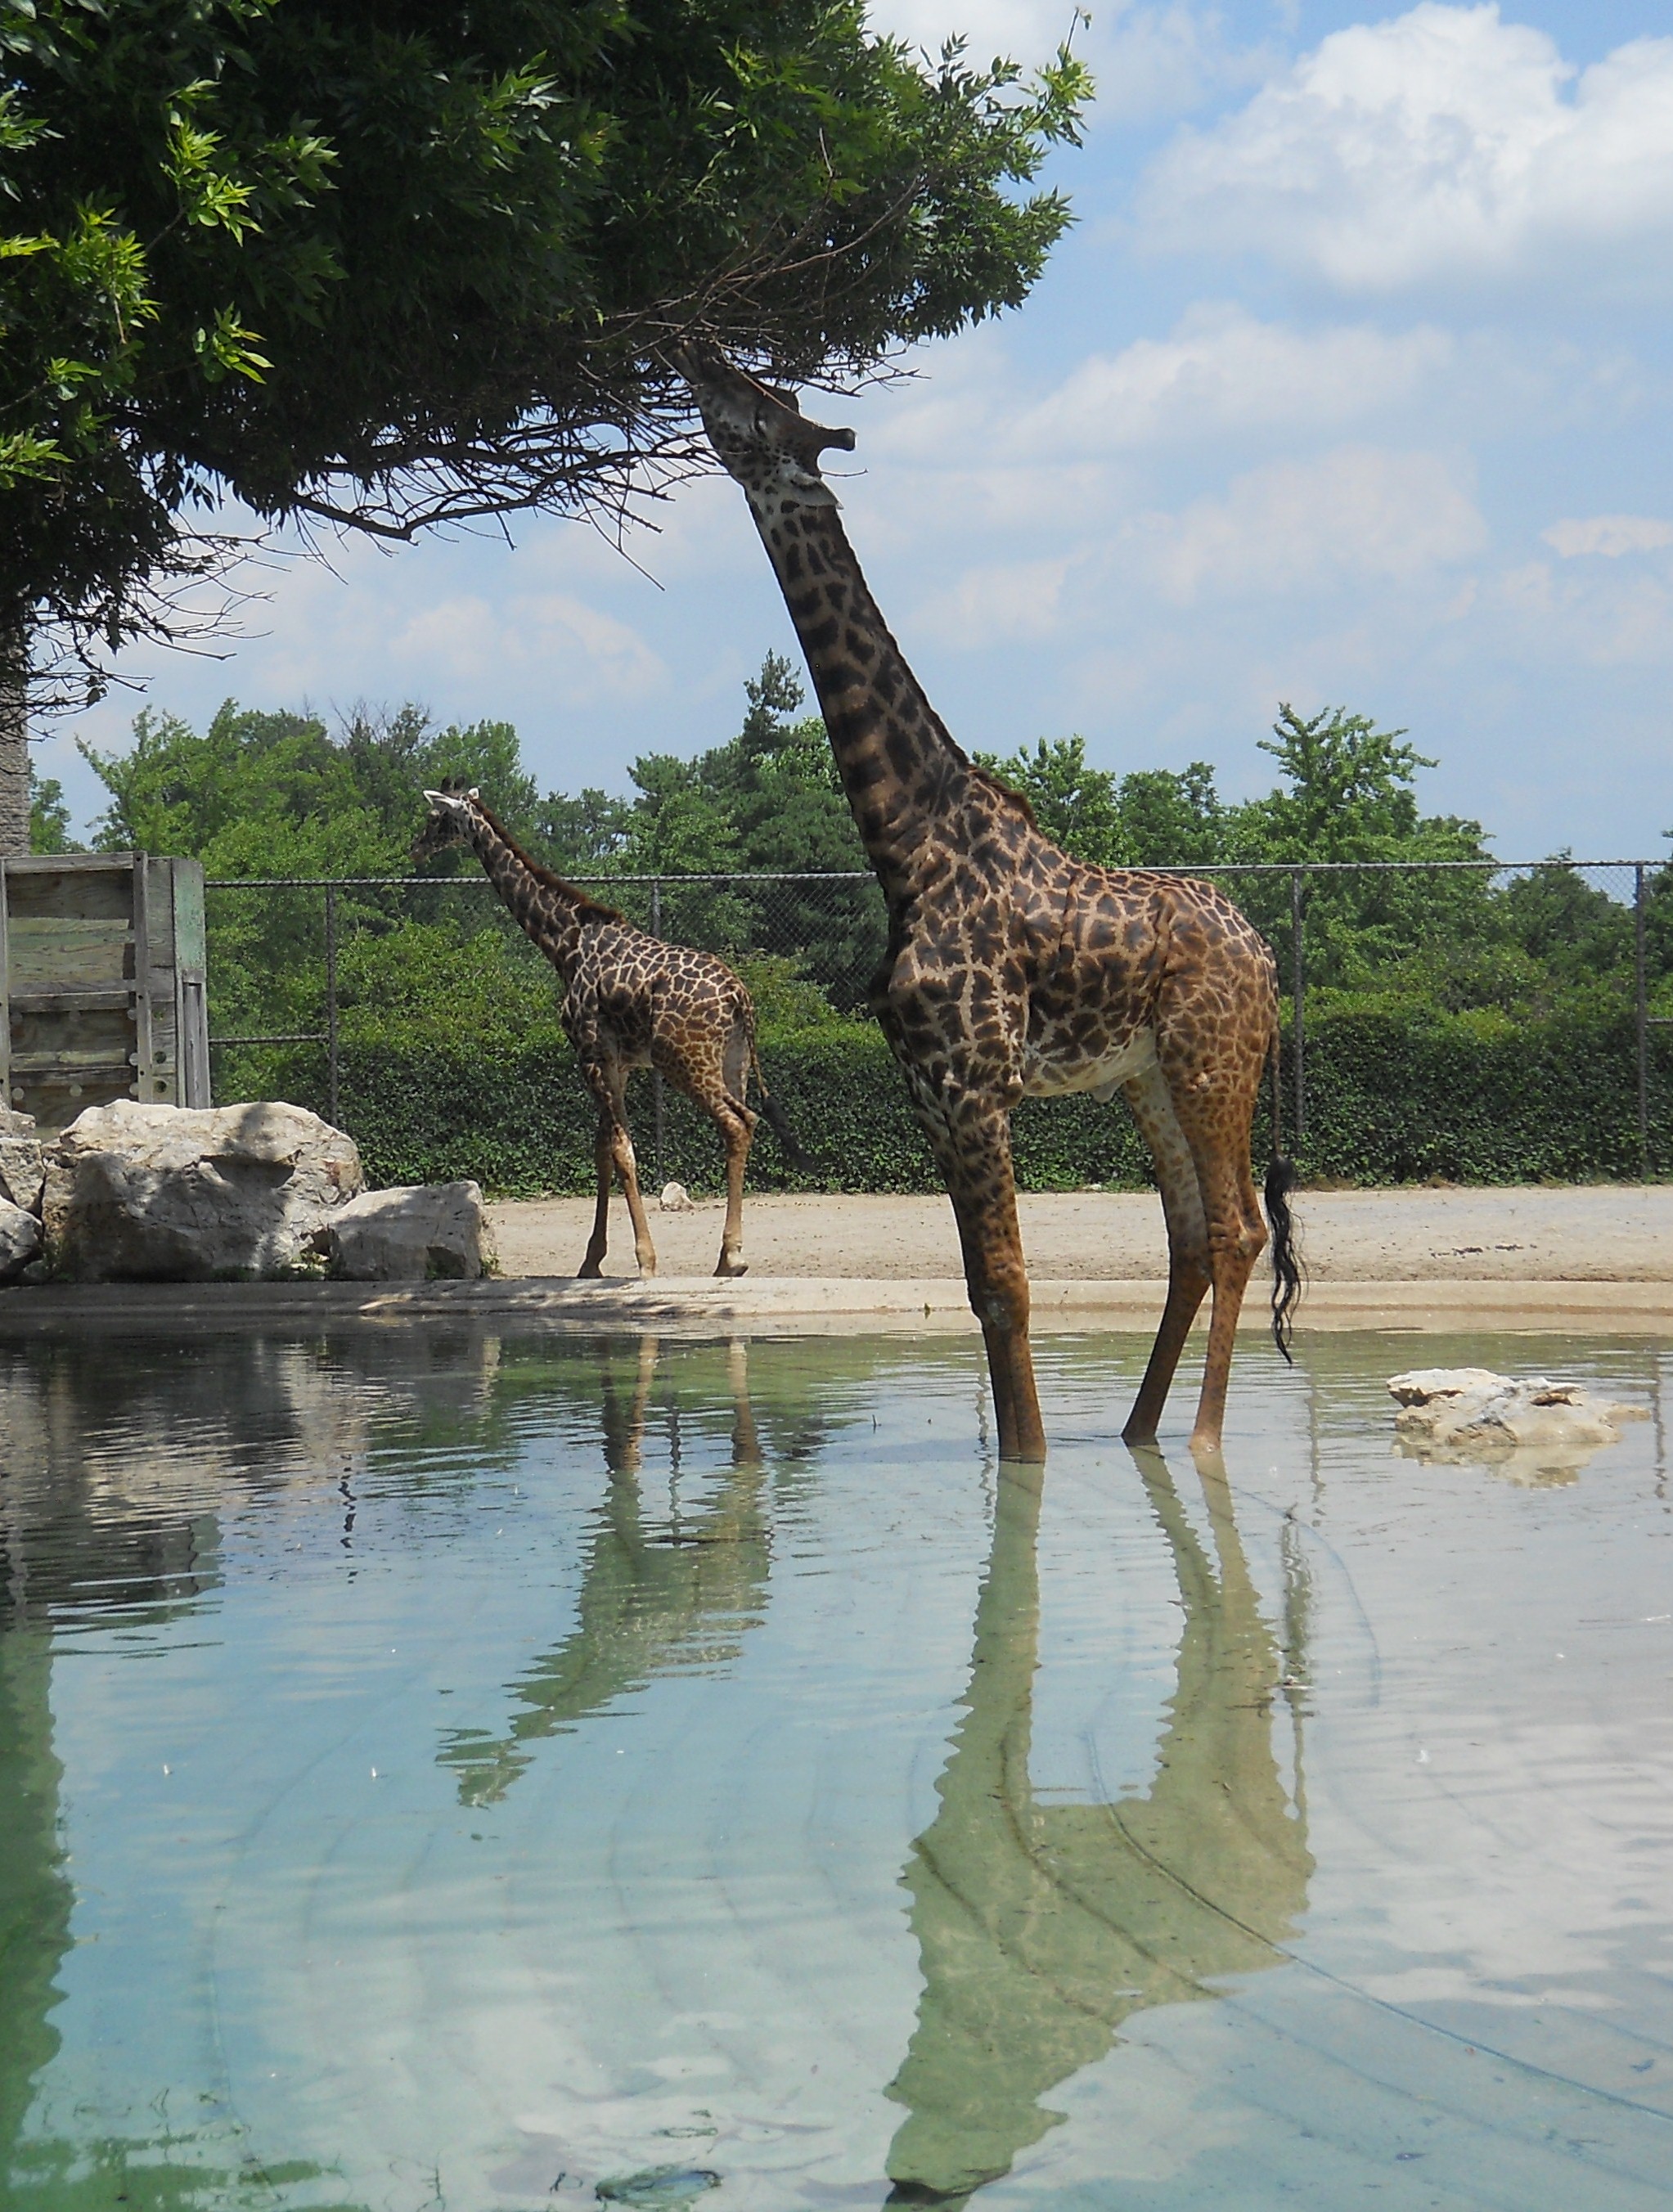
(101, 983)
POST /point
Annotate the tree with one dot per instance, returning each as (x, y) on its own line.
(1173, 818)
(1078, 806)
(49, 817)
(386, 265)
(768, 801)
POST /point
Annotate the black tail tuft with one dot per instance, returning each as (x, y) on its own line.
(780, 1128)
(1287, 1276)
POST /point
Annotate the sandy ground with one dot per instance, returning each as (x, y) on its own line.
(1596, 1233)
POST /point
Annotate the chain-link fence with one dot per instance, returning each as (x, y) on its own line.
(305, 962)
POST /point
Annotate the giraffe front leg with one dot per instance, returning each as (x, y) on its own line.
(608, 1083)
(599, 1243)
(627, 1167)
(971, 1140)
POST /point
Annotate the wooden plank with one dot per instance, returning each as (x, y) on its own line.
(45, 888)
(6, 1098)
(191, 984)
(62, 952)
(116, 865)
(144, 1061)
(163, 992)
(62, 1061)
(84, 997)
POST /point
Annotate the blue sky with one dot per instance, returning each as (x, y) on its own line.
(1350, 386)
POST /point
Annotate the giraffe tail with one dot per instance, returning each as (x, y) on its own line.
(776, 1120)
(1287, 1272)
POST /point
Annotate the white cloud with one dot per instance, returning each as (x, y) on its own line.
(587, 655)
(1026, 29)
(1446, 143)
(1609, 535)
(987, 605)
(1354, 515)
(1223, 370)
(1147, 61)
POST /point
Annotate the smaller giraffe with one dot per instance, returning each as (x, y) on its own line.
(630, 1001)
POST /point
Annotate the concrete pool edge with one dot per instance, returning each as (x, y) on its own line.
(807, 1304)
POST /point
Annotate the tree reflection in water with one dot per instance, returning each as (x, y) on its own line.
(1042, 1927)
(654, 1598)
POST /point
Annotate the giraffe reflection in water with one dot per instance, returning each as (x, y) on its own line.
(654, 1597)
(1042, 1927)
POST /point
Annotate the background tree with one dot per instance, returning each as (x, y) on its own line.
(49, 816)
(388, 263)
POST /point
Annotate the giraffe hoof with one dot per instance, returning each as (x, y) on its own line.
(732, 1267)
(590, 1271)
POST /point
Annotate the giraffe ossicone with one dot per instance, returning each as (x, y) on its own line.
(629, 1001)
(1012, 970)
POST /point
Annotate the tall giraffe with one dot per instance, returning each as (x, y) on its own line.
(1012, 971)
(630, 1001)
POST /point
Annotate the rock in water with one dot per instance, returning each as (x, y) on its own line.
(22, 1164)
(409, 1235)
(1530, 1426)
(20, 1240)
(144, 1193)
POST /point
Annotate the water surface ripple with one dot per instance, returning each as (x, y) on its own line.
(446, 1769)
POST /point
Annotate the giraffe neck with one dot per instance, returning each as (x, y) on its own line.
(547, 911)
(902, 772)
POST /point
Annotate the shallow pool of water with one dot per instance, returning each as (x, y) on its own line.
(449, 1769)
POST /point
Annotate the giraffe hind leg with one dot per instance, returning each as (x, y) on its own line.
(1237, 1236)
(1188, 1270)
(706, 1080)
(1215, 1117)
(736, 1124)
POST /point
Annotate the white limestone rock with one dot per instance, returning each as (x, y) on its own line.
(411, 1234)
(23, 1162)
(1529, 1427)
(675, 1199)
(150, 1194)
(21, 1238)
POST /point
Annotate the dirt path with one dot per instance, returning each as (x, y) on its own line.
(1595, 1233)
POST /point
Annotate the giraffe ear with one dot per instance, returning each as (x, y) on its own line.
(473, 793)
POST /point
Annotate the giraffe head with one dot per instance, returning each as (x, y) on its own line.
(761, 436)
(451, 810)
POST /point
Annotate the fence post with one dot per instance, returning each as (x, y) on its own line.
(1298, 1000)
(658, 1092)
(330, 1004)
(1641, 997)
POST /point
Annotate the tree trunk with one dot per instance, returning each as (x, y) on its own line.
(13, 742)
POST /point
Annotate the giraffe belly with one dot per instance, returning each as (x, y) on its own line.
(1058, 1074)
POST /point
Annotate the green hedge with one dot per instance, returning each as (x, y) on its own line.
(1391, 1097)
(1476, 1098)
